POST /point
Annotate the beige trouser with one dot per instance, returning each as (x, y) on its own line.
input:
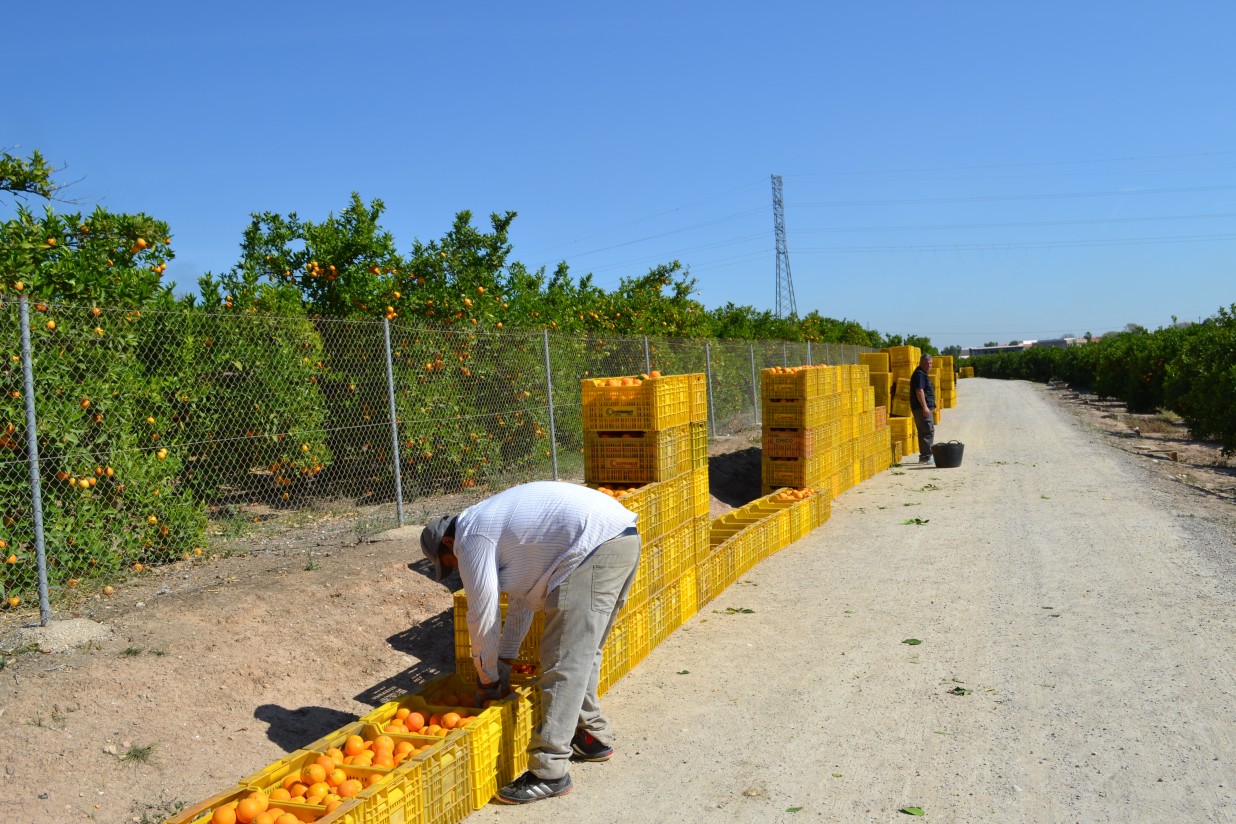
(579, 615)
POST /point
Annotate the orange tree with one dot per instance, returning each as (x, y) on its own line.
(111, 498)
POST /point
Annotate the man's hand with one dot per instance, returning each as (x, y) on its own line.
(500, 688)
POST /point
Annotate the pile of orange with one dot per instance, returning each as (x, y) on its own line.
(438, 724)
(791, 495)
(616, 491)
(259, 808)
(626, 381)
(790, 370)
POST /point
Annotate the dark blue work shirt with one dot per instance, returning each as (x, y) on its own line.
(921, 380)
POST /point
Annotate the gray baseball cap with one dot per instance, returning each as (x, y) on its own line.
(431, 540)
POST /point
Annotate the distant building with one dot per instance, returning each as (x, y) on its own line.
(1055, 343)
(976, 351)
(1061, 343)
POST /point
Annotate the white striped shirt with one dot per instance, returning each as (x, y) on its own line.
(525, 541)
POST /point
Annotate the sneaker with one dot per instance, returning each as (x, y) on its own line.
(922, 459)
(528, 788)
(587, 748)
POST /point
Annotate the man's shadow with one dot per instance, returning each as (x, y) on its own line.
(431, 643)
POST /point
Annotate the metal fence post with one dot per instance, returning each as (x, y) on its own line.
(32, 450)
(785, 357)
(755, 389)
(549, 394)
(390, 394)
(809, 354)
(647, 357)
(712, 412)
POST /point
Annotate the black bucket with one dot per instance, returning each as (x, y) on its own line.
(948, 455)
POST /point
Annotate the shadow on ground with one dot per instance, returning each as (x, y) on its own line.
(432, 644)
(292, 729)
(734, 477)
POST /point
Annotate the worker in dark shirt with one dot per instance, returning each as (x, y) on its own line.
(922, 404)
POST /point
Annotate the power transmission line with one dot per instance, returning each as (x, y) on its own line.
(785, 286)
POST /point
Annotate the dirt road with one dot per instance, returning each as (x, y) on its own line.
(1077, 661)
(1077, 615)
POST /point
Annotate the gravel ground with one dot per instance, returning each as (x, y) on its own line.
(1076, 665)
(1075, 608)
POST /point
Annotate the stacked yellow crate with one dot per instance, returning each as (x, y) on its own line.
(903, 360)
(966, 372)
(646, 443)
(948, 382)
(743, 537)
(804, 424)
(934, 375)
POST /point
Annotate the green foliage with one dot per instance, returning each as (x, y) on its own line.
(1187, 368)
(27, 177)
(154, 411)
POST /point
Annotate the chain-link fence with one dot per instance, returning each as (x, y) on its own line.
(136, 438)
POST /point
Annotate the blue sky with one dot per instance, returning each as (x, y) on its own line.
(968, 171)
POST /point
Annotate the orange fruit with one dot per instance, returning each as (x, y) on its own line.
(290, 779)
(336, 755)
(415, 721)
(224, 815)
(247, 810)
(280, 794)
(264, 818)
(354, 745)
(350, 788)
(402, 713)
(261, 799)
(320, 789)
(316, 772)
(287, 818)
(384, 742)
(336, 777)
(373, 779)
(450, 720)
(298, 790)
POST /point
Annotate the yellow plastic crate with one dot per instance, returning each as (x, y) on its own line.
(716, 572)
(615, 655)
(203, 811)
(699, 445)
(700, 492)
(637, 406)
(637, 457)
(875, 361)
(701, 543)
(688, 596)
(795, 473)
(798, 413)
(903, 356)
(799, 443)
(529, 650)
(522, 713)
(664, 614)
(697, 389)
(483, 737)
(639, 642)
(802, 382)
